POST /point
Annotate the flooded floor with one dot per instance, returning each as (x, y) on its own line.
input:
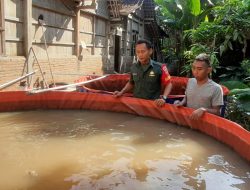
(85, 150)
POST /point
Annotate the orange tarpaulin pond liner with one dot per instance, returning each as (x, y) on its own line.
(115, 82)
(221, 129)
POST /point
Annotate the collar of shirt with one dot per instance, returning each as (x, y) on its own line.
(145, 67)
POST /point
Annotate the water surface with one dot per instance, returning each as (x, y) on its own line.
(78, 150)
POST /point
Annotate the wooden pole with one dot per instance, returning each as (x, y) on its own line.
(94, 33)
(16, 80)
(65, 86)
(28, 34)
(77, 32)
(2, 28)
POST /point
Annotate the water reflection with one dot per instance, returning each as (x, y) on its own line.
(102, 150)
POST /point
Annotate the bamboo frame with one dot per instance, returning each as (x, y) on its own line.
(65, 86)
(16, 80)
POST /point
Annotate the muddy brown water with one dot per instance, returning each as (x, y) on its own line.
(85, 150)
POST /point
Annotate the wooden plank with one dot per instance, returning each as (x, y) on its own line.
(28, 34)
(93, 37)
(2, 29)
(77, 33)
(27, 26)
(86, 23)
(35, 24)
(52, 18)
(65, 86)
(54, 10)
(15, 80)
(13, 19)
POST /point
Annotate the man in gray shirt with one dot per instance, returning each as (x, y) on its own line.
(202, 94)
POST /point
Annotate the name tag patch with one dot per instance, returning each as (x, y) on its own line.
(152, 74)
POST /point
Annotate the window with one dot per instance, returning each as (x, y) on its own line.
(134, 40)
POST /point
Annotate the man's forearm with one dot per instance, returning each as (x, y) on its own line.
(167, 89)
(128, 87)
(215, 111)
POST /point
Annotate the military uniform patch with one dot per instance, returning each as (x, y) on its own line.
(152, 74)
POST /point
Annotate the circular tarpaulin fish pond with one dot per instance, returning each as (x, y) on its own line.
(223, 130)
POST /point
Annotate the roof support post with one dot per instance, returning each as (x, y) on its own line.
(77, 32)
(28, 34)
(2, 28)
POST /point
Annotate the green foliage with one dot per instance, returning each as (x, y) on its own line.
(245, 64)
(216, 28)
(230, 26)
(235, 112)
(179, 15)
(238, 107)
(237, 73)
(232, 73)
(241, 94)
(194, 51)
(207, 32)
(234, 84)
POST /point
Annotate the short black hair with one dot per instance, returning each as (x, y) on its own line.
(203, 57)
(143, 41)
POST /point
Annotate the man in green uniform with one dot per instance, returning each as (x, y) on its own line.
(147, 76)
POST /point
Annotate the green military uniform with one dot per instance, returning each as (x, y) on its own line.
(146, 80)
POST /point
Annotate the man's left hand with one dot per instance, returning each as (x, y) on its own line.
(160, 102)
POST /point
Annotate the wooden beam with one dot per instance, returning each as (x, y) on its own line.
(15, 80)
(94, 33)
(77, 33)
(53, 10)
(65, 86)
(83, 6)
(28, 33)
(27, 25)
(87, 7)
(2, 28)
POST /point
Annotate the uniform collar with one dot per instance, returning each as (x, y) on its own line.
(151, 63)
(147, 66)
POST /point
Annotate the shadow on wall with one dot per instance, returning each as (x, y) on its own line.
(52, 25)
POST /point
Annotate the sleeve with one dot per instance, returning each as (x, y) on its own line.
(165, 76)
(131, 80)
(217, 99)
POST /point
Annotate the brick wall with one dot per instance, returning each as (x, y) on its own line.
(66, 69)
(10, 69)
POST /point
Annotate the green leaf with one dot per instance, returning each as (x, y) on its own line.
(235, 35)
(241, 92)
(224, 75)
(245, 104)
(222, 49)
(195, 7)
(230, 45)
(234, 85)
(206, 19)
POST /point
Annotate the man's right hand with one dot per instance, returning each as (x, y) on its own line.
(117, 94)
(198, 113)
